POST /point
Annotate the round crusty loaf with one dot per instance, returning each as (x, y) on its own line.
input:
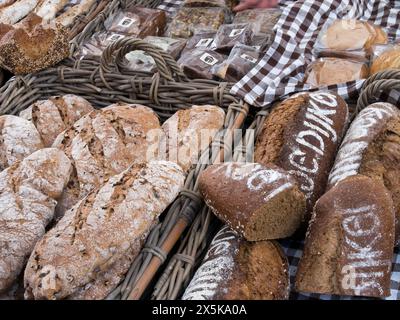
(259, 202)
(102, 144)
(87, 254)
(387, 60)
(372, 147)
(56, 114)
(190, 131)
(301, 136)
(349, 246)
(235, 269)
(28, 193)
(18, 139)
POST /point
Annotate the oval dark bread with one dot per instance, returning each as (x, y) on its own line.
(86, 255)
(372, 147)
(235, 269)
(349, 245)
(301, 136)
(259, 202)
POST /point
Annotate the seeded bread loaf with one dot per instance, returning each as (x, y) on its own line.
(301, 136)
(190, 131)
(372, 147)
(28, 193)
(86, 255)
(18, 139)
(234, 269)
(259, 202)
(56, 114)
(349, 247)
(102, 144)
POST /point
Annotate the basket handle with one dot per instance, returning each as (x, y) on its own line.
(166, 65)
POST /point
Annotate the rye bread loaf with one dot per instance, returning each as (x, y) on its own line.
(234, 269)
(301, 136)
(18, 139)
(87, 254)
(56, 114)
(349, 245)
(190, 131)
(259, 202)
(372, 147)
(102, 144)
(28, 193)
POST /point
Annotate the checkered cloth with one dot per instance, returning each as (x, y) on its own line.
(282, 69)
(293, 250)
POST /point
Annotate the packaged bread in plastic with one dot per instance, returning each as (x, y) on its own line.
(172, 46)
(199, 64)
(230, 34)
(189, 21)
(98, 43)
(240, 61)
(206, 3)
(385, 57)
(262, 20)
(354, 37)
(138, 22)
(329, 71)
(201, 40)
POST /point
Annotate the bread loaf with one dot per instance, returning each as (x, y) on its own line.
(56, 114)
(190, 131)
(259, 202)
(18, 139)
(234, 269)
(14, 12)
(389, 59)
(102, 144)
(349, 247)
(372, 147)
(301, 136)
(19, 50)
(28, 193)
(86, 255)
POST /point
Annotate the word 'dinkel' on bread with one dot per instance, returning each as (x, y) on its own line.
(301, 136)
(349, 245)
(234, 269)
(259, 202)
(87, 254)
(28, 193)
(372, 147)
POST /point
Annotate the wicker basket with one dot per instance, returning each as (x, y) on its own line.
(104, 82)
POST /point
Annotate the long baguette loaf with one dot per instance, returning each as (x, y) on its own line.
(18, 139)
(47, 9)
(60, 112)
(68, 17)
(17, 11)
(102, 144)
(28, 193)
(89, 251)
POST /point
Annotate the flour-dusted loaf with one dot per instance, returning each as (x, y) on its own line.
(18, 139)
(234, 269)
(190, 131)
(372, 147)
(28, 193)
(301, 136)
(349, 246)
(102, 144)
(260, 202)
(56, 114)
(87, 254)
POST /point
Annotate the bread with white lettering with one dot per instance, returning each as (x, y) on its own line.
(301, 136)
(235, 269)
(18, 139)
(86, 255)
(29, 190)
(349, 245)
(102, 144)
(372, 147)
(260, 202)
(56, 114)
